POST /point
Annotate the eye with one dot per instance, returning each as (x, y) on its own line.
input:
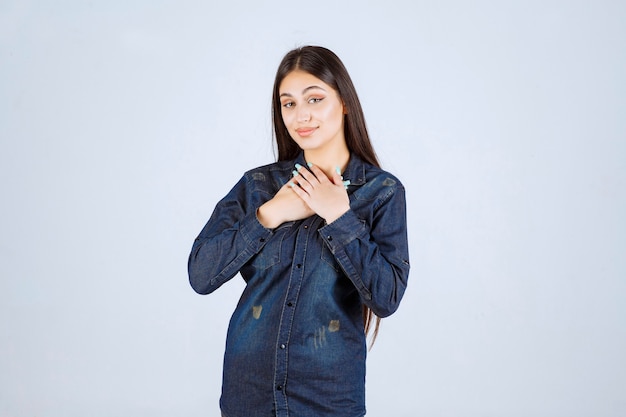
(288, 104)
(314, 100)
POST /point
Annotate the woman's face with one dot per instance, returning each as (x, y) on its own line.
(312, 112)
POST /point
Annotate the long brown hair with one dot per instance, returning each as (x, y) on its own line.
(325, 65)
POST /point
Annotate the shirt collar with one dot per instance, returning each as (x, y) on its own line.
(355, 171)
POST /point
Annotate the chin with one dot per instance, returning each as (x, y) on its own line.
(304, 145)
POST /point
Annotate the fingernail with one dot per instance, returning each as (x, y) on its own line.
(294, 172)
(291, 184)
(309, 164)
(338, 170)
(298, 166)
(346, 182)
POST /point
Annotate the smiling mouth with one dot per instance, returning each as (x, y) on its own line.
(305, 131)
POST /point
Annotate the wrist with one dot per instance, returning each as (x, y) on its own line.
(264, 216)
(331, 218)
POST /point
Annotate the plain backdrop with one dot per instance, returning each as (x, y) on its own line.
(123, 123)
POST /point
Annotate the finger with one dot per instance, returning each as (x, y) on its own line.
(300, 192)
(337, 178)
(308, 175)
(319, 174)
(286, 188)
(297, 179)
(302, 183)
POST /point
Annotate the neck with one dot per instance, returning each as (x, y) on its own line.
(328, 161)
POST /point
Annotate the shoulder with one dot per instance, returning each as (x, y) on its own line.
(263, 171)
(375, 186)
(268, 178)
(381, 178)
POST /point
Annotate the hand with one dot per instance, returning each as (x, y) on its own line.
(283, 207)
(325, 196)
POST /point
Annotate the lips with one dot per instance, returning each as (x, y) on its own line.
(305, 131)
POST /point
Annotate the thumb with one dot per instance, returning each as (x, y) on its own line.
(337, 178)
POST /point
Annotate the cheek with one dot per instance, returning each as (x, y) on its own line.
(287, 118)
(289, 124)
(334, 115)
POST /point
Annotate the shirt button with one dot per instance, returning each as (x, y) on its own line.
(262, 240)
(306, 226)
(283, 346)
(290, 304)
(330, 238)
(299, 266)
(279, 387)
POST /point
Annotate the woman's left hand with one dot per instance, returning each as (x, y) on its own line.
(327, 197)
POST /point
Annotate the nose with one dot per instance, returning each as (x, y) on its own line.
(303, 115)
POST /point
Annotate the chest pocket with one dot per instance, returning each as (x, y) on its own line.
(266, 258)
(270, 255)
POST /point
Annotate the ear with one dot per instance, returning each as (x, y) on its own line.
(345, 108)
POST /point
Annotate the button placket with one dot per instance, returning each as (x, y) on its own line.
(286, 320)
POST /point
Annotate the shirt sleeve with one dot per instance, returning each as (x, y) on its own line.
(230, 238)
(374, 255)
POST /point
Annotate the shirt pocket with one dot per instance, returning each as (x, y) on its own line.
(271, 253)
(265, 259)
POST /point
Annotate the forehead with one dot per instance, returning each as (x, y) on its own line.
(297, 81)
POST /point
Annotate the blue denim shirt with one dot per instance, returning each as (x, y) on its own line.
(295, 343)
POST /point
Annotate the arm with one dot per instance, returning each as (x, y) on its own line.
(230, 238)
(374, 256)
(237, 231)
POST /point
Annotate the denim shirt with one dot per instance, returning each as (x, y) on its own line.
(295, 343)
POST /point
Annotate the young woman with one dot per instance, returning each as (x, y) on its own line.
(320, 239)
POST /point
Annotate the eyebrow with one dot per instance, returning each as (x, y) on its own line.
(311, 87)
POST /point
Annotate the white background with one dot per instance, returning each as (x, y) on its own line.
(123, 123)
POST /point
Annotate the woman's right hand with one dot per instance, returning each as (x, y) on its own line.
(284, 207)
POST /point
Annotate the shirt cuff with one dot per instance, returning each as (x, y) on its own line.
(254, 232)
(343, 230)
